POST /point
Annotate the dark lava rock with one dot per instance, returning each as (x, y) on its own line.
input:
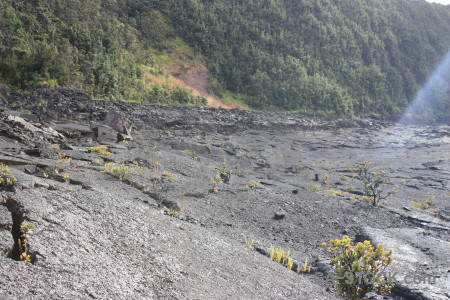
(119, 123)
(279, 215)
(73, 130)
(98, 236)
(105, 134)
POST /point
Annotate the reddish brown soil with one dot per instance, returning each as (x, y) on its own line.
(196, 80)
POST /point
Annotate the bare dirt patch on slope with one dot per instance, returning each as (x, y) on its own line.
(197, 81)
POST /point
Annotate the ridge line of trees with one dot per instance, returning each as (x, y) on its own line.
(348, 56)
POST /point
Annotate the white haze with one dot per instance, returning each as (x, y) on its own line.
(447, 2)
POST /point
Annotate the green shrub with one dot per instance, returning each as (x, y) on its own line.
(123, 171)
(169, 175)
(305, 268)
(223, 170)
(192, 154)
(313, 188)
(48, 83)
(100, 149)
(26, 228)
(249, 243)
(374, 182)
(359, 268)
(281, 256)
(174, 213)
(7, 180)
(216, 180)
(423, 204)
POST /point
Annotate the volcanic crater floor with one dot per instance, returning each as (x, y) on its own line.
(166, 231)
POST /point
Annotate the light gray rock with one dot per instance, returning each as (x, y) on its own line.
(420, 261)
(105, 134)
(119, 123)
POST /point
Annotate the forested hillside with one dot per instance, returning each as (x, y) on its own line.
(365, 55)
(94, 45)
(347, 56)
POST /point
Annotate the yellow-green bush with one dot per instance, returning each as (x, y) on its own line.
(359, 268)
(124, 171)
(423, 204)
(216, 180)
(26, 228)
(7, 180)
(169, 175)
(281, 256)
(249, 243)
(174, 213)
(284, 258)
(100, 149)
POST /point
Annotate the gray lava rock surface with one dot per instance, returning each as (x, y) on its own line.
(165, 231)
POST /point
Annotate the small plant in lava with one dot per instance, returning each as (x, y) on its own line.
(26, 228)
(100, 150)
(7, 180)
(374, 182)
(359, 268)
(424, 204)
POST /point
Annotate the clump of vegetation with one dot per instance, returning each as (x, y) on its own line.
(374, 182)
(62, 163)
(335, 192)
(249, 243)
(7, 180)
(100, 150)
(26, 228)
(173, 213)
(313, 188)
(435, 213)
(123, 171)
(59, 171)
(192, 154)
(169, 175)
(216, 180)
(281, 256)
(359, 268)
(284, 258)
(63, 159)
(342, 177)
(58, 175)
(423, 204)
(252, 185)
(223, 170)
(357, 78)
(305, 268)
(168, 134)
(222, 175)
(137, 132)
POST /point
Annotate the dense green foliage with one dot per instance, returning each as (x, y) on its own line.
(90, 44)
(344, 56)
(347, 55)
